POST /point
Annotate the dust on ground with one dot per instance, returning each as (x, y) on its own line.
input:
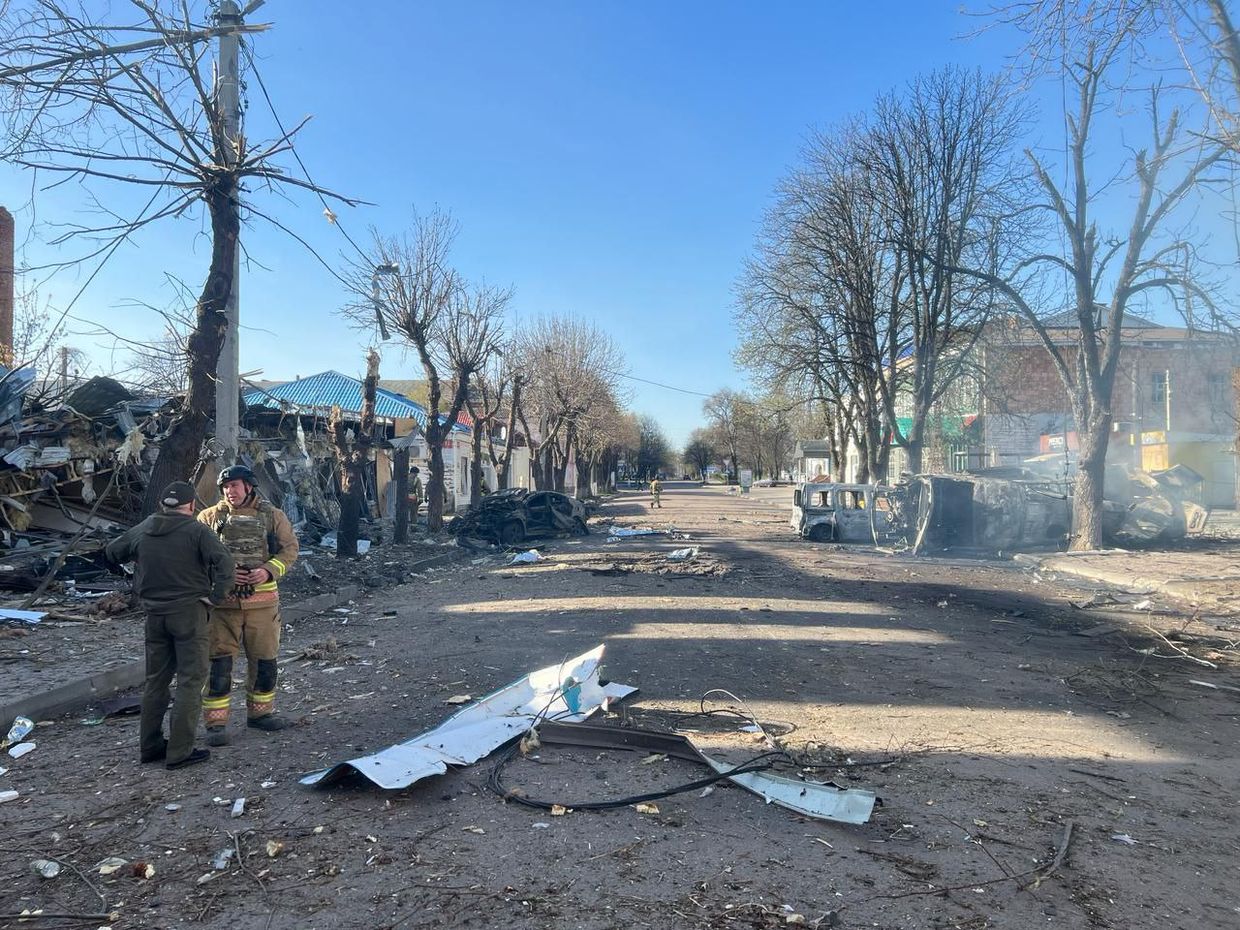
(1006, 730)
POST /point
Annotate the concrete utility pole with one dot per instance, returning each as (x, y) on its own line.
(8, 258)
(228, 369)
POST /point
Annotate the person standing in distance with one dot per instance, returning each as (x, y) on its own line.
(180, 568)
(262, 543)
(656, 493)
(415, 493)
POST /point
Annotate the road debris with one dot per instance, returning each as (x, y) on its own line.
(18, 731)
(529, 557)
(22, 749)
(683, 555)
(568, 691)
(22, 616)
(238, 808)
(45, 868)
(111, 865)
(810, 799)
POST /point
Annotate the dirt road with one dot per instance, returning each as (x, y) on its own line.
(1006, 747)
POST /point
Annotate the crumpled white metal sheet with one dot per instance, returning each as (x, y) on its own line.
(568, 692)
(822, 802)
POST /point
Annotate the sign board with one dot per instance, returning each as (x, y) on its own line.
(746, 478)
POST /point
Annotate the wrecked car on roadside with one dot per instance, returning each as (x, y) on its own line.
(507, 518)
(844, 513)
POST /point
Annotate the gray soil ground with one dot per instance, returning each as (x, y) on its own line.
(964, 693)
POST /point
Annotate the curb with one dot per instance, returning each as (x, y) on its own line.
(1187, 590)
(67, 697)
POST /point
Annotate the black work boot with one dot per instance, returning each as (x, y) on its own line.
(268, 723)
(198, 755)
(217, 736)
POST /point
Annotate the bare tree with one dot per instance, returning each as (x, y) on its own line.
(1202, 32)
(453, 327)
(571, 371)
(937, 161)
(700, 451)
(723, 413)
(134, 104)
(352, 455)
(1103, 275)
(492, 387)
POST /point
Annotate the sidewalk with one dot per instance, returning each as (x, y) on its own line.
(1209, 579)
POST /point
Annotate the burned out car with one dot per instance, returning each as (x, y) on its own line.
(845, 513)
(507, 518)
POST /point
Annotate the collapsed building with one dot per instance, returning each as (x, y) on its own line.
(74, 471)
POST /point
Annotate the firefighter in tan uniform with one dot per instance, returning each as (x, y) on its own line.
(264, 547)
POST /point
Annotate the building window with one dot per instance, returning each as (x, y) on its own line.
(1217, 385)
(1158, 387)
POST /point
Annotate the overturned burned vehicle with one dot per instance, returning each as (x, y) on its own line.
(507, 518)
(998, 509)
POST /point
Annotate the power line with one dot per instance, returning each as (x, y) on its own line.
(668, 387)
(332, 217)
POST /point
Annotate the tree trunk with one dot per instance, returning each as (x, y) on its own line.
(503, 477)
(400, 465)
(179, 450)
(914, 452)
(1087, 492)
(561, 471)
(434, 485)
(475, 466)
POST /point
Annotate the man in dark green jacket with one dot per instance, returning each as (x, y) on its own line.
(181, 567)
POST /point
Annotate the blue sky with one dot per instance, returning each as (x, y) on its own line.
(607, 159)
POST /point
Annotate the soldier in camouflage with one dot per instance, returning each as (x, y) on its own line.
(262, 543)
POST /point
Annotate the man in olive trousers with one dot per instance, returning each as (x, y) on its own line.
(181, 567)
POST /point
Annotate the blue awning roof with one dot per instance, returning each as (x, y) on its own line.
(329, 389)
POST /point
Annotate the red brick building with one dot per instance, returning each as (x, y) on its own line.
(1174, 401)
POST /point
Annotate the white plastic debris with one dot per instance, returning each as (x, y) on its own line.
(25, 616)
(222, 858)
(620, 532)
(526, 558)
(112, 864)
(1143, 605)
(8, 796)
(172, 808)
(45, 868)
(683, 555)
(1123, 838)
(18, 731)
(238, 807)
(22, 749)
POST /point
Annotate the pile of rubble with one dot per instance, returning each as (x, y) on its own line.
(74, 472)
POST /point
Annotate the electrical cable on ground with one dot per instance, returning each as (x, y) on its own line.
(495, 783)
